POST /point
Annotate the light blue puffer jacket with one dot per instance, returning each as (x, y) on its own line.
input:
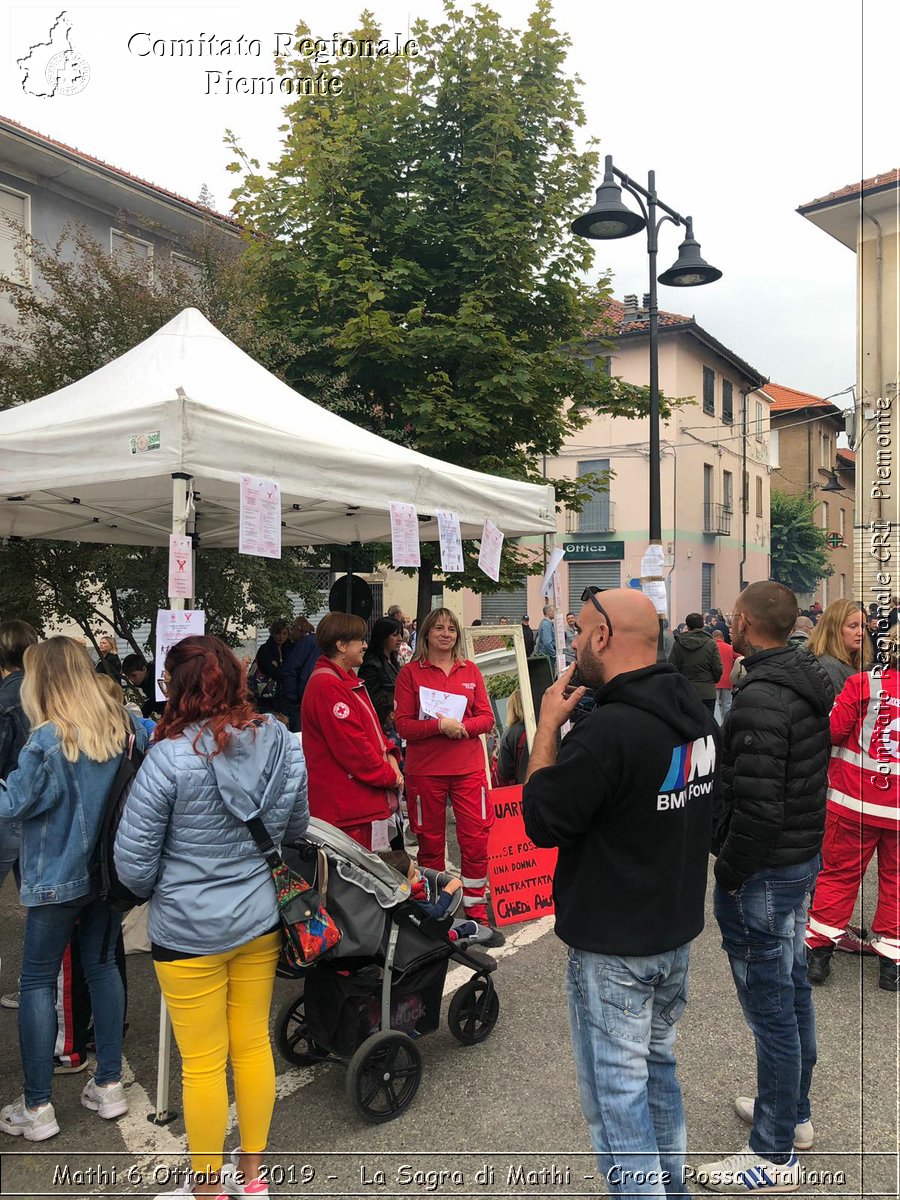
(183, 842)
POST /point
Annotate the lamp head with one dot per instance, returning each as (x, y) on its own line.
(833, 484)
(608, 218)
(690, 269)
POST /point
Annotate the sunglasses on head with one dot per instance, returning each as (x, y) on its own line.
(591, 593)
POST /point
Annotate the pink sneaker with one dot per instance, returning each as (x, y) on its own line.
(235, 1186)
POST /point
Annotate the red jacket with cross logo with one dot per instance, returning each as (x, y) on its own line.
(350, 778)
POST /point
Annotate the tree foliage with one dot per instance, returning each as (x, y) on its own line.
(88, 308)
(800, 553)
(415, 240)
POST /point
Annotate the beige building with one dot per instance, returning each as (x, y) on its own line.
(806, 460)
(865, 217)
(714, 476)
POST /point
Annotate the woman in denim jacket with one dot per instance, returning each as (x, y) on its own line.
(59, 792)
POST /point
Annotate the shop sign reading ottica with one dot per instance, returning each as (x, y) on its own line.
(592, 550)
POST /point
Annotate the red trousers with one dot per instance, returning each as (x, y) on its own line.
(846, 852)
(426, 805)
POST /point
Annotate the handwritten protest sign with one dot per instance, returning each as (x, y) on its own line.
(521, 873)
(172, 626)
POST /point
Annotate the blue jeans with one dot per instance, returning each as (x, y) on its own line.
(48, 928)
(763, 925)
(10, 842)
(622, 1013)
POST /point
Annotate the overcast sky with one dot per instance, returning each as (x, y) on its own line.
(745, 111)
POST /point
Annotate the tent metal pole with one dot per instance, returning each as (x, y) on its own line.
(180, 514)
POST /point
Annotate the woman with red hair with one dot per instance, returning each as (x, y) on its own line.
(214, 927)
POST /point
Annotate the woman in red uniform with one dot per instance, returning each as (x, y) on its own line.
(444, 756)
(353, 774)
(863, 816)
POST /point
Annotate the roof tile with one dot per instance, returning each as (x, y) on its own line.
(859, 189)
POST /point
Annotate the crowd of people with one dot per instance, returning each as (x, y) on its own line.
(773, 739)
(794, 794)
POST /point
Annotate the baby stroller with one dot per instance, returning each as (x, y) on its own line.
(369, 1001)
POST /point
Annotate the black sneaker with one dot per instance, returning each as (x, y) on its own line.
(818, 964)
(889, 975)
(497, 938)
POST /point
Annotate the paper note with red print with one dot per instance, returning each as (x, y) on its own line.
(172, 627)
(260, 531)
(181, 568)
(491, 549)
(451, 541)
(404, 535)
(433, 703)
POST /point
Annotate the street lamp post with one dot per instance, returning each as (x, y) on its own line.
(609, 218)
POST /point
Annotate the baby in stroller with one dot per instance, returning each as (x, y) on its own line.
(422, 889)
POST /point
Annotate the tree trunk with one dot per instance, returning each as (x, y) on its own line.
(423, 599)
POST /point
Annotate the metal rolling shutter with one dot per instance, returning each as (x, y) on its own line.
(511, 604)
(599, 574)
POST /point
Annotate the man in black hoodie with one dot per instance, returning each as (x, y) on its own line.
(629, 803)
(775, 772)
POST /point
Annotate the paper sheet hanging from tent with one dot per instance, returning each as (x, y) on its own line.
(451, 541)
(172, 626)
(181, 568)
(405, 550)
(491, 549)
(260, 533)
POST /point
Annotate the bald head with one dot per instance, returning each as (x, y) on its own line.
(601, 652)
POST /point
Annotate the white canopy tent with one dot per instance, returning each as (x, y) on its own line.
(95, 460)
(158, 439)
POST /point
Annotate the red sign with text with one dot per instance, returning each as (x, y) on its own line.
(521, 873)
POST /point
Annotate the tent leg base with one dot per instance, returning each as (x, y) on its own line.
(164, 1118)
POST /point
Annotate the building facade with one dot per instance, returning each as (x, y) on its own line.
(865, 217)
(714, 475)
(46, 186)
(806, 460)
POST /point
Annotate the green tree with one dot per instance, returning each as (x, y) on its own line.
(414, 238)
(88, 308)
(800, 554)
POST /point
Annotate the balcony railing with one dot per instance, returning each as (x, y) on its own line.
(717, 519)
(596, 517)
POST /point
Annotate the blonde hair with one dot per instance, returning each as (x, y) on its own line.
(113, 689)
(826, 638)
(62, 689)
(514, 711)
(421, 654)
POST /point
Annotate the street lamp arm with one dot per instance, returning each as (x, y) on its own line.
(635, 189)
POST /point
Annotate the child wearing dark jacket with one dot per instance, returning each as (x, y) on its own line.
(423, 892)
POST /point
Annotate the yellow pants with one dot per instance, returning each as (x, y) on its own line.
(219, 1005)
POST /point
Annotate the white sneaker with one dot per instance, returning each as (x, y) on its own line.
(10, 1000)
(804, 1134)
(107, 1099)
(747, 1171)
(187, 1188)
(238, 1187)
(34, 1124)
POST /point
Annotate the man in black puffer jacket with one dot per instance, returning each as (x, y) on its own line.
(768, 838)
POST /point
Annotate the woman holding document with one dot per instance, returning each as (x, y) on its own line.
(442, 707)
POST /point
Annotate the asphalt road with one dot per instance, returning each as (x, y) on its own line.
(497, 1118)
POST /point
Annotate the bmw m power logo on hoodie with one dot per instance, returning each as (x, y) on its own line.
(690, 774)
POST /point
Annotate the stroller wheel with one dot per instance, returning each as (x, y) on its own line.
(292, 1035)
(384, 1076)
(473, 1011)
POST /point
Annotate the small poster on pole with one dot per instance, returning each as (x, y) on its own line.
(491, 549)
(260, 532)
(181, 568)
(556, 557)
(404, 535)
(451, 541)
(172, 626)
